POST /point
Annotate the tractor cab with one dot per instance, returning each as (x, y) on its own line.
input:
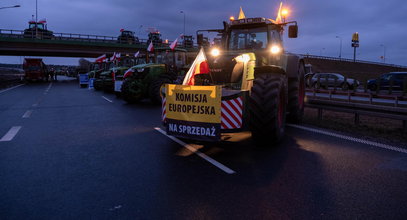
(240, 47)
(38, 30)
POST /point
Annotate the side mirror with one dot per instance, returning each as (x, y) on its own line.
(199, 39)
(293, 31)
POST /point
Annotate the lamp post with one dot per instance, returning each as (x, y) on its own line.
(14, 6)
(182, 12)
(284, 14)
(384, 52)
(340, 47)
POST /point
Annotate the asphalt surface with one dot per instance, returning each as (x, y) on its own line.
(79, 156)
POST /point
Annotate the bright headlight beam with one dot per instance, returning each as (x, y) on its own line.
(215, 52)
(275, 49)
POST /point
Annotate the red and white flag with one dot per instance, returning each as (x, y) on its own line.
(113, 58)
(101, 59)
(118, 55)
(129, 72)
(174, 44)
(137, 54)
(150, 47)
(199, 66)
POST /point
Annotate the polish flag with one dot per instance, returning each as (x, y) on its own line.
(174, 44)
(129, 72)
(199, 66)
(137, 54)
(150, 47)
(113, 58)
(118, 55)
(101, 59)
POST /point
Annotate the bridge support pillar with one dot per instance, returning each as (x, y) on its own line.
(357, 119)
(319, 113)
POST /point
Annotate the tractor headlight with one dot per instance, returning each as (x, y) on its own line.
(215, 52)
(275, 49)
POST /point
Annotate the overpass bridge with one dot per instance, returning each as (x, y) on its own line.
(14, 43)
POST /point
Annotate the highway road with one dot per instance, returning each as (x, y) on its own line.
(71, 153)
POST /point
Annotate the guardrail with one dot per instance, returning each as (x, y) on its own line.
(358, 109)
(81, 37)
(351, 60)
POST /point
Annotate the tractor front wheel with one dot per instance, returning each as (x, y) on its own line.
(131, 91)
(154, 90)
(267, 108)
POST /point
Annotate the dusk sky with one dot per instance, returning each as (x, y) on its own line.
(378, 22)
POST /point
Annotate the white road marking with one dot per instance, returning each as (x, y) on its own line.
(197, 152)
(107, 99)
(10, 134)
(357, 140)
(5, 90)
(48, 88)
(27, 114)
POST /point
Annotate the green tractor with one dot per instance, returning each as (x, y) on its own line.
(264, 83)
(101, 74)
(110, 76)
(144, 80)
(106, 79)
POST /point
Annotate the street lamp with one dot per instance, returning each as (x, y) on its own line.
(284, 14)
(384, 52)
(340, 47)
(14, 6)
(182, 12)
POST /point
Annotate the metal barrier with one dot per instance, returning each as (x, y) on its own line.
(358, 109)
(6, 33)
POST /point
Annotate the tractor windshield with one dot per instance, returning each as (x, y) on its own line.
(251, 38)
(39, 25)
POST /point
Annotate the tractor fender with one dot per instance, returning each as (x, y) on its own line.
(293, 61)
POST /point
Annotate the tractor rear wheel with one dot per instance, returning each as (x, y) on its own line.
(267, 107)
(131, 91)
(296, 95)
(154, 90)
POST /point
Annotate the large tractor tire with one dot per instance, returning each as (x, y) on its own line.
(98, 86)
(296, 95)
(131, 91)
(154, 89)
(267, 107)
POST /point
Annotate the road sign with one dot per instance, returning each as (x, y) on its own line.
(91, 81)
(355, 44)
(83, 79)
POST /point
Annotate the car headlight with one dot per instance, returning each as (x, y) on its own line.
(275, 49)
(215, 52)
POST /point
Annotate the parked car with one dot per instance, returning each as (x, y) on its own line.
(386, 79)
(333, 80)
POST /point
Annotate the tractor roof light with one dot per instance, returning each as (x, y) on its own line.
(215, 52)
(275, 49)
(284, 12)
